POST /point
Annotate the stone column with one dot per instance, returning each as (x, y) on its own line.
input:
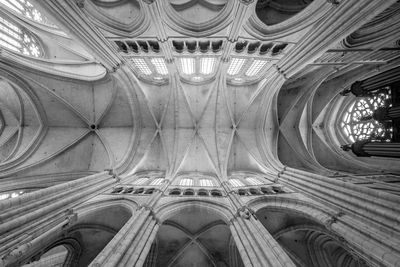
(131, 244)
(382, 114)
(368, 220)
(37, 212)
(18, 255)
(256, 245)
(366, 148)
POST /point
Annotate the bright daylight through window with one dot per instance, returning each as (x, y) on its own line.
(357, 123)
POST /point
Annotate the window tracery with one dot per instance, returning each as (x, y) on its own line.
(140, 181)
(206, 182)
(186, 182)
(157, 181)
(27, 9)
(357, 122)
(197, 68)
(18, 39)
(151, 68)
(236, 182)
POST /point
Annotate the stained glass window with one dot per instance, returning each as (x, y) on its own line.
(25, 8)
(17, 39)
(186, 182)
(357, 122)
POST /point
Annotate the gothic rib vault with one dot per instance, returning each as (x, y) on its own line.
(192, 133)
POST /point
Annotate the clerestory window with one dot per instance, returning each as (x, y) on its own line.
(18, 39)
(140, 181)
(253, 181)
(186, 182)
(28, 10)
(206, 182)
(157, 181)
(236, 182)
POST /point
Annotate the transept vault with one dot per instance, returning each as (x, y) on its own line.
(200, 133)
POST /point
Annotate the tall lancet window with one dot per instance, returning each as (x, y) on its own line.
(25, 8)
(358, 123)
(18, 39)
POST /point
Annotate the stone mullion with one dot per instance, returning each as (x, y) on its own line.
(352, 13)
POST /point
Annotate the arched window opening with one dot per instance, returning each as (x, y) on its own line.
(186, 182)
(139, 191)
(175, 192)
(267, 190)
(188, 192)
(56, 256)
(117, 190)
(197, 68)
(254, 191)
(149, 191)
(236, 182)
(216, 193)
(278, 189)
(202, 192)
(358, 124)
(242, 192)
(128, 190)
(18, 39)
(28, 10)
(149, 68)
